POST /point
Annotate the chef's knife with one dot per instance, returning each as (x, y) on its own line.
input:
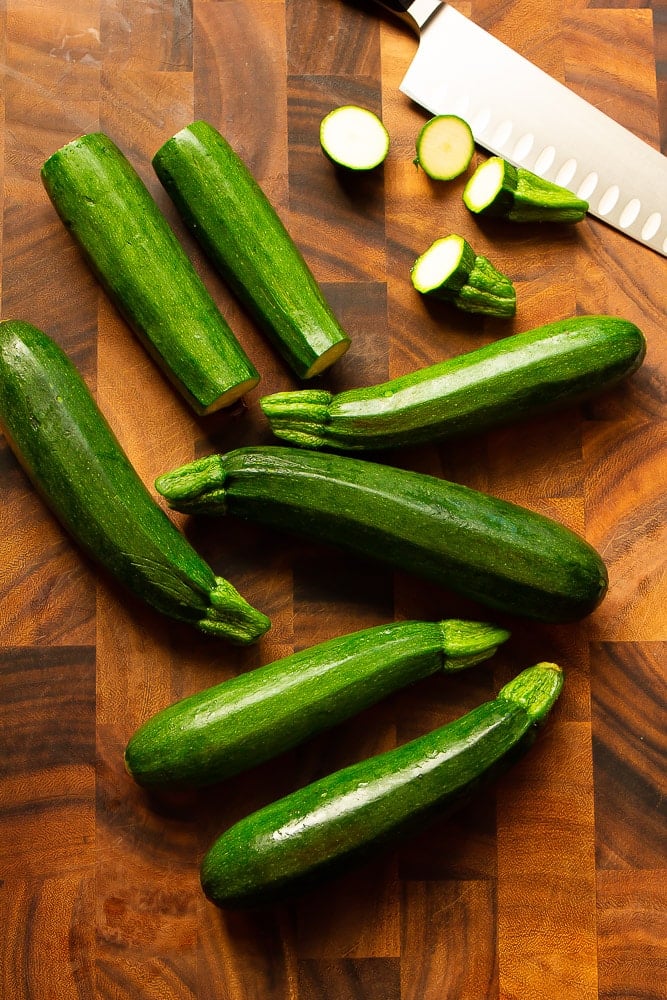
(518, 111)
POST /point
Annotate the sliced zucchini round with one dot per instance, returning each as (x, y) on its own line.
(445, 147)
(354, 138)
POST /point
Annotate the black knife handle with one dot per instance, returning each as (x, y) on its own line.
(415, 12)
(396, 6)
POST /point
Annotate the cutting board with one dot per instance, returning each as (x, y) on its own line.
(551, 885)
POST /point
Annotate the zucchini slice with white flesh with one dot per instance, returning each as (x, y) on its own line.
(498, 188)
(354, 138)
(451, 270)
(445, 147)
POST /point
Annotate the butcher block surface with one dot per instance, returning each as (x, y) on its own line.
(551, 885)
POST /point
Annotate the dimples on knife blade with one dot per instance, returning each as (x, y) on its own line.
(521, 113)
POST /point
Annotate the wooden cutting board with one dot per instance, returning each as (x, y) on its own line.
(550, 887)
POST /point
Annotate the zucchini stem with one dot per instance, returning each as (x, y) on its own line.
(465, 643)
(198, 486)
(299, 415)
(231, 616)
(535, 689)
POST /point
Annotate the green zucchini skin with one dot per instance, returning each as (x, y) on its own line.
(254, 716)
(72, 457)
(129, 245)
(336, 822)
(242, 234)
(510, 379)
(492, 551)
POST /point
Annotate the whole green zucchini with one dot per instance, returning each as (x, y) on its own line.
(131, 248)
(68, 450)
(244, 237)
(495, 552)
(254, 716)
(509, 379)
(340, 820)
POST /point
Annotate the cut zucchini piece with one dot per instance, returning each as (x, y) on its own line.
(451, 270)
(499, 189)
(354, 138)
(445, 147)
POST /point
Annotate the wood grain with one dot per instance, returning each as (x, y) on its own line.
(551, 885)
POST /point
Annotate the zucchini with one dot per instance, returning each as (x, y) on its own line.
(451, 270)
(129, 245)
(254, 716)
(69, 452)
(499, 189)
(487, 549)
(445, 147)
(346, 817)
(354, 138)
(243, 236)
(510, 379)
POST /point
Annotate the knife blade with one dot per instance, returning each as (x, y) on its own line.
(518, 111)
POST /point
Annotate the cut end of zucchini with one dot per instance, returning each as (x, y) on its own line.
(229, 397)
(445, 147)
(198, 483)
(465, 643)
(445, 265)
(483, 187)
(535, 689)
(354, 138)
(231, 617)
(328, 358)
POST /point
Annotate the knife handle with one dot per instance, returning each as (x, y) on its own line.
(415, 12)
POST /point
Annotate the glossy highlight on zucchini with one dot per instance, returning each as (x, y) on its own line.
(326, 827)
(131, 248)
(219, 732)
(242, 234)
(72, 457)
(515, 377)
(495, 552)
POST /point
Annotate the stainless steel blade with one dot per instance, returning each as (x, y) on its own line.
(518, 111)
